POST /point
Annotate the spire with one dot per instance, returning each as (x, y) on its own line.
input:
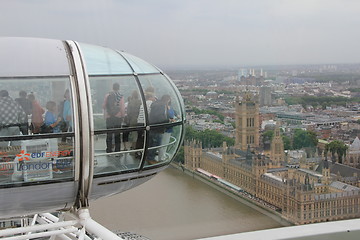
(355, 146)
(248, 153)
(326, 164)
(224, 147)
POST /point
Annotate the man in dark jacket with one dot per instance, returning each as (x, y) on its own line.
(158, 115)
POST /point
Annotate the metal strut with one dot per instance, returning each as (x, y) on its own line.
(49, 226)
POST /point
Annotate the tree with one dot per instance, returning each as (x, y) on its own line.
(211, 112)
(322, 101)
(179, 157)
(267, 136)
(337, 147)
(287, 142)
(209, 138)
(304, 139)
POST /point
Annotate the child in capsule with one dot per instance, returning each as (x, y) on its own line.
(50, 117)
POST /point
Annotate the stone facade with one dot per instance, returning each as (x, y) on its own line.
(247, 122)
(353, 154)
(300, 194)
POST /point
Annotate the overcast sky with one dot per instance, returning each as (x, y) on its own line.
(198, 32)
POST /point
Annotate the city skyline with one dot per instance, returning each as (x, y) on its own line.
(198, 33)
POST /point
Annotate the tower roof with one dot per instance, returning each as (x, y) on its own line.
(355, 146)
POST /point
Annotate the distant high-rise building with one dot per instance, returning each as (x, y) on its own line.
(265, 96)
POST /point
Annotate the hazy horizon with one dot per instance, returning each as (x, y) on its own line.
(198, 33)
(256, 67)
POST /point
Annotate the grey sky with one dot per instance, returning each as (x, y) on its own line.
(198, 32)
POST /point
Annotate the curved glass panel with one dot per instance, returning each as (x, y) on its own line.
(103, 61)
(163, 143)
(139, 65)
(117, 105)
(182, 104)
(30, 57)
(171, 141)
(161, 100)
(46, 110)
(124, 107)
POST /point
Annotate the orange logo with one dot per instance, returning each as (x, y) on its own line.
(23, 156)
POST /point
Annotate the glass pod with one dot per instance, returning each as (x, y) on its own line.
(79, 122)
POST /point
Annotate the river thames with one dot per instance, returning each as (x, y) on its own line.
(176, 206)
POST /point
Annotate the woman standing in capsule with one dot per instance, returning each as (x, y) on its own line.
(36, 115)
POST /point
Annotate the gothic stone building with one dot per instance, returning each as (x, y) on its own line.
(353, 154)
(302, 195)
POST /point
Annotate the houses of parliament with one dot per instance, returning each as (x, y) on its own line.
(304, 192)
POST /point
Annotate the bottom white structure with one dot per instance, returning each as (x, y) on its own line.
(344, 230)
(67, 226)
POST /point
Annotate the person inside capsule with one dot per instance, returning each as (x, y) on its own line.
(132, 107)
(36, 114)
(114, 112)
(52, 123)
(97, 152)
(12, 117)
(26, 105)
(159, 113)
(22, 157)
(65, 114)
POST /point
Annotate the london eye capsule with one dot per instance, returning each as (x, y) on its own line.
(79, 122)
